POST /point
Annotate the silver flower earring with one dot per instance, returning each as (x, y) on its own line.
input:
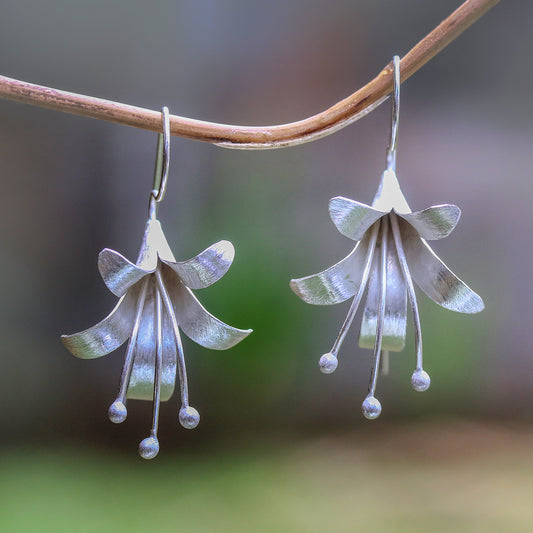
(156, 301)
(390, 253)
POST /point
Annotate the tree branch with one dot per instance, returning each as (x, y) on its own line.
(340, 115)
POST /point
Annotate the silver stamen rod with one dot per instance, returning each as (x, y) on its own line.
(420, 379)
(328, 362)
(149, 447)
(371, 407)
(117, 412)
(189, 416)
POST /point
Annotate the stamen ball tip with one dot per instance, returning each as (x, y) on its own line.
(149, 448)
(328, 363)
(189, 417)
(117, 412)
(420, 380)
(371, 408)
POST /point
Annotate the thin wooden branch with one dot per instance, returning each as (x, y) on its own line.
(256, 137)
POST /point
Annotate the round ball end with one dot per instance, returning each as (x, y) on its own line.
(189, 417)
(328, 363)
(371, 408)
(149, 448)
(117, 412)
(420, 380)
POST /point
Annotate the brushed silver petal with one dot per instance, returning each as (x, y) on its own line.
(141, 384)
(154, 246)
(108, 334)
(195, 321)
(389, 195)
(395, 317)
(207, 267)
(435, 222)
(352, 218)
(435, 278)
(118, 273)
(336, 284)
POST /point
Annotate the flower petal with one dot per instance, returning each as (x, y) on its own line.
(141, 385)
(435, 278)
(108, 334)
(336, 284)
(118, 273)
(352, 218)
(435, 222)
(207, 267)
(154, 247)
(395, 319)
(196, 322)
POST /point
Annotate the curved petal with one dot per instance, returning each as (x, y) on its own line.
(435, 222)
(118, 273)
(108, 334)
(336, 284)
(395, 318)
(196, 322)
(435, 278)
(141, 385)
(352, 218)
(207, 267)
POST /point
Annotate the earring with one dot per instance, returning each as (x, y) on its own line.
(390, 253)
(156, 301)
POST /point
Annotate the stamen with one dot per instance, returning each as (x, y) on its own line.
(149, 447)
(117, 412)
(328, 362)
(188, 416)
(420, 379)
(371, 407)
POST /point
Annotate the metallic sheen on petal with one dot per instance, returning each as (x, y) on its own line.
(435, 222)
(336, 284)
(352, 218)
(141, 385)
(435, 278)
(395, 318)
(118, 273)
(207, 267)
(389, 195)
(196, 322)
(107, 335)
(154, 247)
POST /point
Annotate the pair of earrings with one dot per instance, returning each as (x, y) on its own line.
(156, 298)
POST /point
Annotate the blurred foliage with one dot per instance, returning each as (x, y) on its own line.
(443, 477)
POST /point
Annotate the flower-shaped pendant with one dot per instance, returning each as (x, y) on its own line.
(155, 302)
(390, 253)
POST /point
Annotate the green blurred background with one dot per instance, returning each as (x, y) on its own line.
(280, 446)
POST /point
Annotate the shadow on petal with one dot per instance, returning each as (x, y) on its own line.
(207, 267)
(118, 273)
(435, 222)
(107, 335)
(195, 321)
(435, 278)
(395, 317)
(336, 284)
(352, 218)
(141, 385)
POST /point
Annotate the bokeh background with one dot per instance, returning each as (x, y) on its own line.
(280, 446)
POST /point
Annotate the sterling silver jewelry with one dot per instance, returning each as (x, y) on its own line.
(156, 301)
(390, 253)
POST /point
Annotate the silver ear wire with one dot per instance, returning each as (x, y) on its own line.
(395, 117)
(162, 163)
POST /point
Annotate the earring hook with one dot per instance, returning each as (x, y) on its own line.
(162, 161)
(395, 117)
